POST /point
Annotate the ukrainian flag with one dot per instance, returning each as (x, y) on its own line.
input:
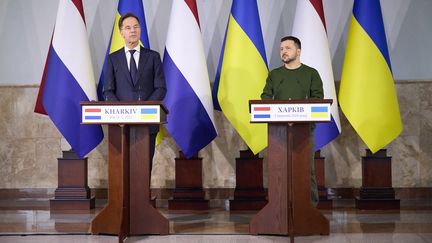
(367, 94)
(116, 42)
(242, 72)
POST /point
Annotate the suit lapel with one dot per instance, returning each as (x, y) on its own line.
(142, 61)
(123, 65)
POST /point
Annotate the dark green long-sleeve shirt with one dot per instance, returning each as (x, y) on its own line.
(301, 83)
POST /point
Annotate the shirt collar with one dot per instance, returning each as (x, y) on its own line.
(136, 48)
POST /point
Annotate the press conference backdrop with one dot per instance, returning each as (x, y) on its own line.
(26, 27)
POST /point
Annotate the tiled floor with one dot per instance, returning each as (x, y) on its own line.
(31, 221)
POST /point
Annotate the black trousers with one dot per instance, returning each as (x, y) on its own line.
(152, 150)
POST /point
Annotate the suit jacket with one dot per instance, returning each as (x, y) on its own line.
(148, 85)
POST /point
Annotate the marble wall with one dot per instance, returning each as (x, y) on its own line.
(30, 146)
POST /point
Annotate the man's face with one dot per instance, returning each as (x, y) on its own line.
(130, 30)
(288, 51)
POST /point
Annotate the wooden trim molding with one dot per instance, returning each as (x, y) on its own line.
(211, 193)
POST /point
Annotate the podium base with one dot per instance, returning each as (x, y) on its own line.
(377, 204)
(325, 203)
(247, 204)
(188, 204)
(72, 204)
(249, 193)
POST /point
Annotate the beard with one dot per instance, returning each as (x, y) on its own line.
(286, 59)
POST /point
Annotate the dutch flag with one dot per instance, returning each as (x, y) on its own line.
(190, 120)
(310, 27)
(69, 78)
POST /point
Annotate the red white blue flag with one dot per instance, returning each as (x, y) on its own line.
(190, 120)
(310, 27)
(69, 78)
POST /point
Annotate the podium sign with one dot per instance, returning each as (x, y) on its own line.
(115, 114)
(290, 112)
(289, 210)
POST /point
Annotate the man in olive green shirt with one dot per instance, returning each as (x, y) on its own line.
(295, 80)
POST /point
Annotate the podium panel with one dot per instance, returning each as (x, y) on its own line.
(289, 210)
(129, 210)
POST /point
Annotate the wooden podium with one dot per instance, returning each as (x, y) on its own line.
(129, 210)
(289, 210)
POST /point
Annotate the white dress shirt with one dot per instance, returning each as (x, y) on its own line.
(136, 55)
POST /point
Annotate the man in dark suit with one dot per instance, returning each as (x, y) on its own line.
(134, 72)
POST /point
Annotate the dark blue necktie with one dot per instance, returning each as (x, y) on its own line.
(132, 66)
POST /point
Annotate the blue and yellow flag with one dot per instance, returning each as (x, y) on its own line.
(242, 72)
(367, 94)
(116, 42)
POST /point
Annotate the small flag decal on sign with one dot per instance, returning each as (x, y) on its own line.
(149, 113)
(319, 112)
(263, 112)
(94, 114)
